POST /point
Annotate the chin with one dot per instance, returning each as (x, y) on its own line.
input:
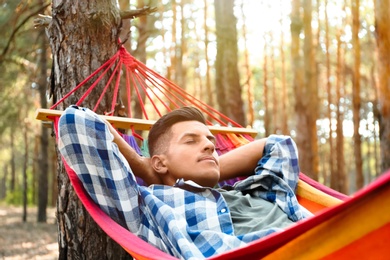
(212, 183)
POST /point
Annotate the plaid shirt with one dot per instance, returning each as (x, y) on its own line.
(187, 221)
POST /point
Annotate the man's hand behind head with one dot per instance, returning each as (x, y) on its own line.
(148, 175)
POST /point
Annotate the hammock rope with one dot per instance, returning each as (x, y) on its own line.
(156, 88)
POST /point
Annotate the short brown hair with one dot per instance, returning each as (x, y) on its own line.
(161, 130)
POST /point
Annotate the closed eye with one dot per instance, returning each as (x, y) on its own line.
(190, 138)
(212, 139)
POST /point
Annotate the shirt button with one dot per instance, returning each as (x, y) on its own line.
(223, 210)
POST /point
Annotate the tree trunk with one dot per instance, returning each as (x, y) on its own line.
(265, 95)
(209, 91)
(126, 38)
(53, 170)
(339, 180)
(198, 89)
(275, 93)
(356, 102)
(44, 138)
(78, 49)
(368, 173)
(181, 69)
(296, 59)
(171, 74)
(140, 54)
(331, 161)
(310, 154)
(306, 95)
(285, 100)
(34, 171)
(376, 116)
(248, 73)
(3, 182)
(12, 162)
(227, 76)
(25, 165)
(382, 14)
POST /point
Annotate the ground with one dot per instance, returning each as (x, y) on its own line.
(29, 240)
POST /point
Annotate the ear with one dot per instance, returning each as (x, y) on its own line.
(158, 164)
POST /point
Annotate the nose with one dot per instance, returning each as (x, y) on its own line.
(209, 145)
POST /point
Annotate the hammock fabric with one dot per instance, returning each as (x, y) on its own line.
(343, 227)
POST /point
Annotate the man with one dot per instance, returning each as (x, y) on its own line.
(180, 213)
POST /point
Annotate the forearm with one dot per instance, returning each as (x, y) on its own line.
(241, 161)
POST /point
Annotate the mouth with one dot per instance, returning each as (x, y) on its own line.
(208, 159)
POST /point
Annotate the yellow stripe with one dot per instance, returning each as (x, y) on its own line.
(142, 124)
(310, 193)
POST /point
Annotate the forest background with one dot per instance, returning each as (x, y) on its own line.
(314, 70)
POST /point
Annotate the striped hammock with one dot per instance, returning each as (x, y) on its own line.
(343, 227)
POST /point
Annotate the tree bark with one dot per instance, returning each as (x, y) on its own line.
(382, 14)
(227, 76)
(78, 49)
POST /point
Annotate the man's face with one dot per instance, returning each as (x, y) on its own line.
(191, 154)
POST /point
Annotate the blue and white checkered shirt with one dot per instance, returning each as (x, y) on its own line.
(187, 221)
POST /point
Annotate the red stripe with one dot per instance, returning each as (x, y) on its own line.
(322, 187)
(265, 246)
(254, 250)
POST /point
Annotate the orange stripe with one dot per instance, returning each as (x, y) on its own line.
(310, 205)
(375, 243)
(234, 139)
(361, 218)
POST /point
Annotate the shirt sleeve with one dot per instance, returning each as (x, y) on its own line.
(276, 176)
(280, 157)
(87, 146)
